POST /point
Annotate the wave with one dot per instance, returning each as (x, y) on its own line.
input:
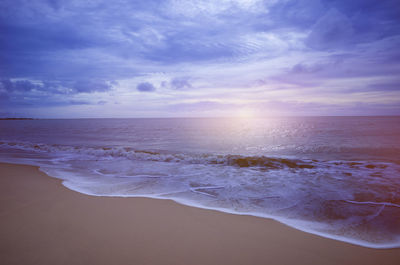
(260, 162)
(164, 156)
(352, 201)
(383, 204)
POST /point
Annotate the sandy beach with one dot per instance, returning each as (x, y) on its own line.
(42, 222)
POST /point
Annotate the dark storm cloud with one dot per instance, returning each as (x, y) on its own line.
(145, 87)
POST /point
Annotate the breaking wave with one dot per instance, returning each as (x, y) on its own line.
(356, 201)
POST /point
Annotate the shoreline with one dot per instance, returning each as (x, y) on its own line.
(44, 222)
(285, 222)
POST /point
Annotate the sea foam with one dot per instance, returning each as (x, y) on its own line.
(326, 177)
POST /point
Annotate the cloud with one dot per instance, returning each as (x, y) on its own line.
(20, 93)
(385, 86)
(145, 87)
(209, 8)
(18, 86)
(179, 83)
(206, 106)
(55, 4)
(4, 96)
(297, 13)
(362, 64)
(57, 87)
(89, 86)
(333, 30)
(285, 107)
(77, 102)
(63, 52)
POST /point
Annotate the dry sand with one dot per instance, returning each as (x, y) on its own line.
(42, 222)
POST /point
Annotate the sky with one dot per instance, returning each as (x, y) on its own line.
(203, 58)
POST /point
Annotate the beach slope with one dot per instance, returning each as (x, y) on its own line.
(42, 222)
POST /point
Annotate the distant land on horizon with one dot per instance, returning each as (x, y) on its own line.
(18, 119)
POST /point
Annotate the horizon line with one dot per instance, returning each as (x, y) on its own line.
(197, 117)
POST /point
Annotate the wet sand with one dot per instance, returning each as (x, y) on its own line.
(42, 222)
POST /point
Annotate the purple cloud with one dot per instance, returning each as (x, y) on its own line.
(145, 87)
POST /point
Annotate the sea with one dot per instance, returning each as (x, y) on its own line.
(337, 177)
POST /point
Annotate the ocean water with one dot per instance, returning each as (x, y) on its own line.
(338, 177)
